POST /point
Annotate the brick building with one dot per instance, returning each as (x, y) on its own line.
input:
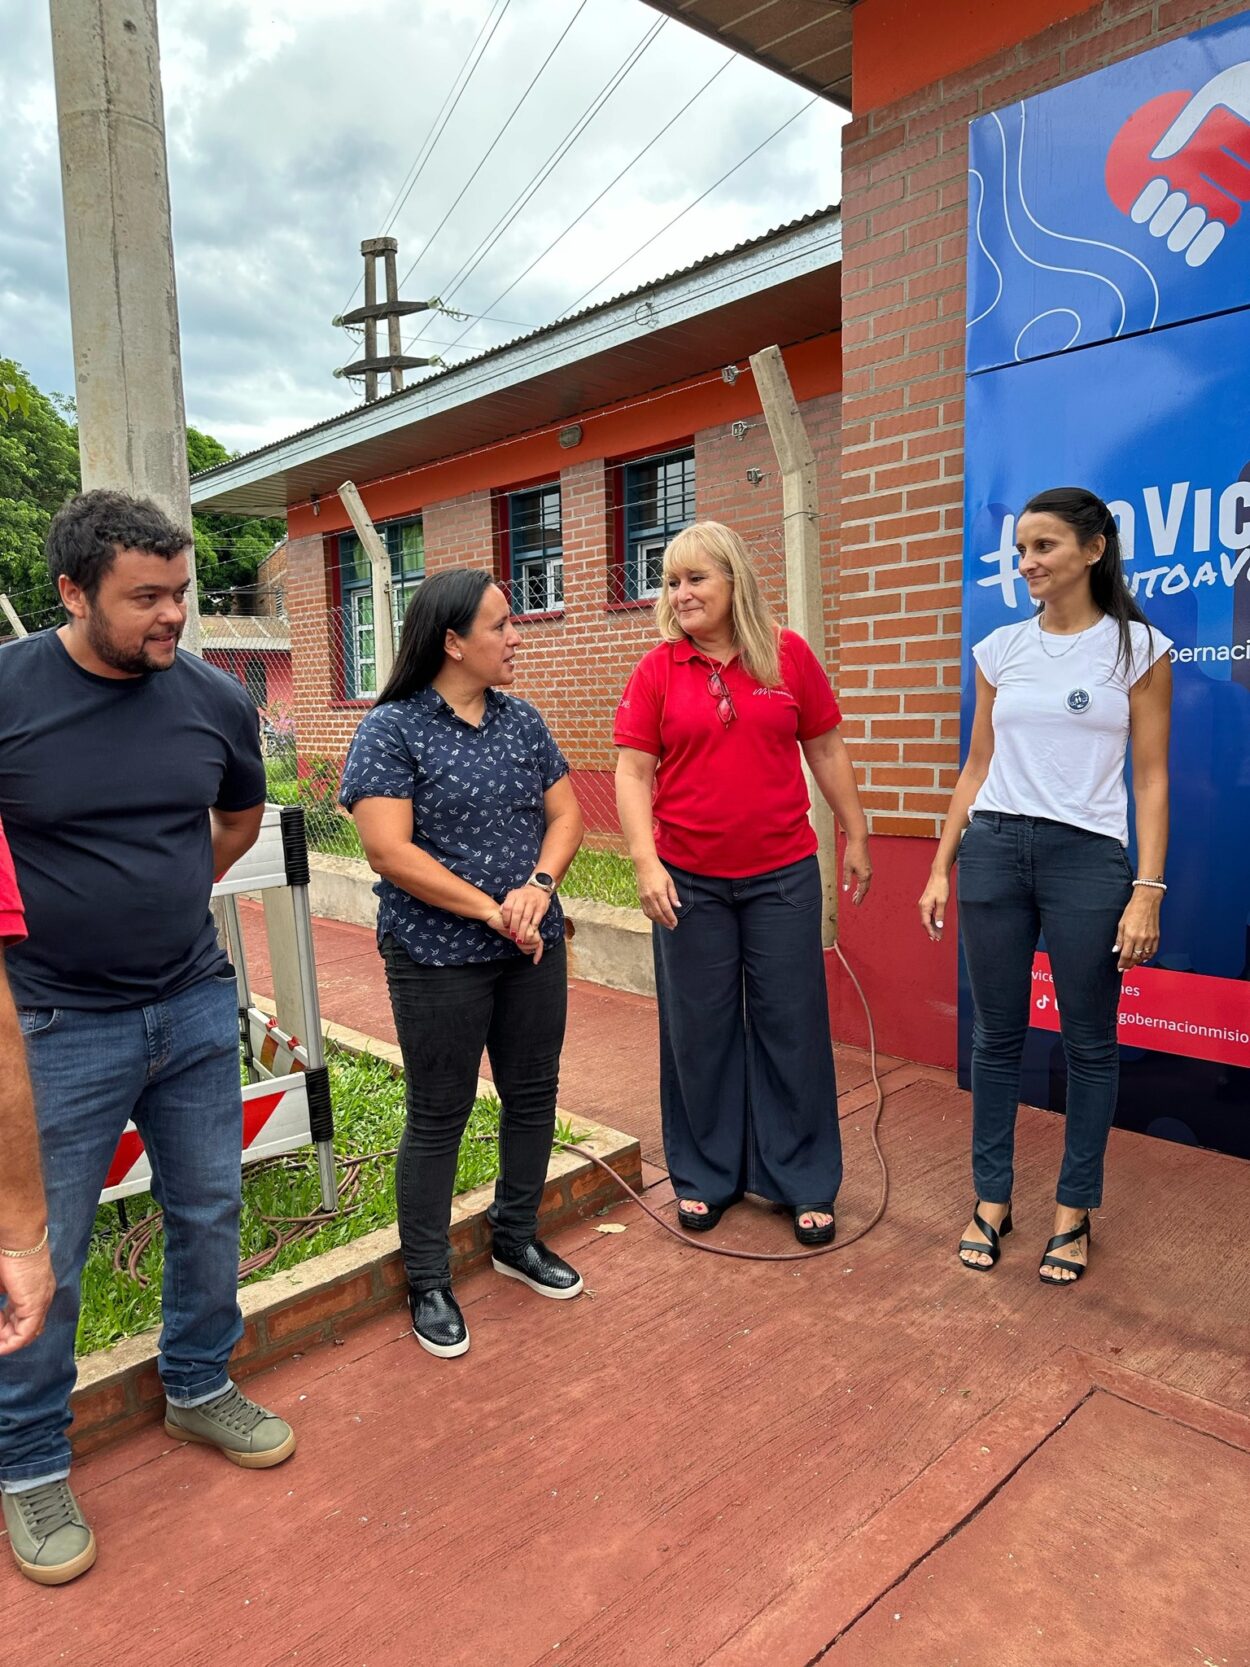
(563, 460)
(913, 73)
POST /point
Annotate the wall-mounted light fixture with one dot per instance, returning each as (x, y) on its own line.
(314, 499)
(571, 436)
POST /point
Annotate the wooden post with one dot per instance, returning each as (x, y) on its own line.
(804, 590)
(10, 613)
(380, 570)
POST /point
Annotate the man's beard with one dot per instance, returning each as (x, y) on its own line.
(105, 647)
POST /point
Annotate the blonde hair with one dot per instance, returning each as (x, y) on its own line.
(755, 633)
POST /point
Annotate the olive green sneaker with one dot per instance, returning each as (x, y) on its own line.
(237, 1427)
(50, 1539)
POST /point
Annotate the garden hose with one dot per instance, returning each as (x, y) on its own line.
(286, 1230)
(691, 1243)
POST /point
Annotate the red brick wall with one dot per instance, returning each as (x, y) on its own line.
(904, 214)
(572, 666)
(905, 202)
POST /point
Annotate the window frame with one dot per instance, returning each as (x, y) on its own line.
(629, 536)
(355, 597)
(551, 557)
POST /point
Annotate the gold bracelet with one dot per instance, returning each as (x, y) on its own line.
(20, 1255)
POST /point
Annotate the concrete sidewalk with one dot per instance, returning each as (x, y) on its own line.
(871, 1457)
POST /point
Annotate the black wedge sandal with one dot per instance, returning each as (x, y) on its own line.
(817, 1233)
(1080, 1231)
(696, 1223)
(992, 1247)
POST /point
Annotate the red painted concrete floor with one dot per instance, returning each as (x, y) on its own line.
(873, 1456)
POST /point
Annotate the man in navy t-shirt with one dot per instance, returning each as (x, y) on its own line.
(130, 775)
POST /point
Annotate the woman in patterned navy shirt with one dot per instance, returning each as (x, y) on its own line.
(466, 812)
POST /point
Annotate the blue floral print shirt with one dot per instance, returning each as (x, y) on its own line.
(477, 808)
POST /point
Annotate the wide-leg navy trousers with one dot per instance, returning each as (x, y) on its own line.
(747, 1088)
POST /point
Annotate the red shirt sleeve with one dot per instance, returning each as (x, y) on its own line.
(12, 918)
(638, 715)
(808, 683)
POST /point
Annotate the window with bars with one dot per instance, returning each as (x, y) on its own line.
(656, 499)
(405, 545)
(533, 550)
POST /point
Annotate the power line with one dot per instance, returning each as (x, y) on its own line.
(655, 138)
(459, 198)
(573, 306)
(437, 126)
(548, 167)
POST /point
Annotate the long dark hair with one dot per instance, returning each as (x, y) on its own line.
(446, 601)
(1088, 516)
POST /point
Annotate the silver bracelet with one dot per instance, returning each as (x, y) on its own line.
(21, 1255)
(1155, 885)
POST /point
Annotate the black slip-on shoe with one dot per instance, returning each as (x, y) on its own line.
(437, 1323)
(541, 1269)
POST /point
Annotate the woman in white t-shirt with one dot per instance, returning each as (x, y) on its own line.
(1060, 697)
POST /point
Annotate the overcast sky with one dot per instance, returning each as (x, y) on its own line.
(293, 126)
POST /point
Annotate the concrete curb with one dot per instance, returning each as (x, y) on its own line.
(119, 1388)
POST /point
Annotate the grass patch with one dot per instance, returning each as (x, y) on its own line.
(603, 877)
(368, 1117)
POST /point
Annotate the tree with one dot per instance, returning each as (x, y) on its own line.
(227, 551)
(39, 470)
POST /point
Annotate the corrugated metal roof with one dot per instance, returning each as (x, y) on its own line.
(708, 313)
(245, 631)
(807, 41)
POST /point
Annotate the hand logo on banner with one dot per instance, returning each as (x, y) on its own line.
(1180, 165)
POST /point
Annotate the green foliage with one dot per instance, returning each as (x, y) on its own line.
(38, 471)
(604, 877)
(227, 551)
(328, 829)
(368, 1100)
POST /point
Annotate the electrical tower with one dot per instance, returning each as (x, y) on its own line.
(373, 313)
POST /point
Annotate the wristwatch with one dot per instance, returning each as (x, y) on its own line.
(544, 882)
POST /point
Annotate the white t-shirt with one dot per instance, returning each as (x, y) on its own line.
(1061, 722)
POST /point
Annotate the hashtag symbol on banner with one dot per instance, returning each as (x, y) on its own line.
(1180, 166)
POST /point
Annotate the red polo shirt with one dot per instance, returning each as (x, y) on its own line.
(12, 919)
(730, 799)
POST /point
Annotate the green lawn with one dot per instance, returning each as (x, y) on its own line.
(368, 1117)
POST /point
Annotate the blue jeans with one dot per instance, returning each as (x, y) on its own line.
(748, 1097)
(1018, 876)
(173, 1068)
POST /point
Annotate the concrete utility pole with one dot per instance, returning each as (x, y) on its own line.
(132, 432)
(375, 312)
(804, 590)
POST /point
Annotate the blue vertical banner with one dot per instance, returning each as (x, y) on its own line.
(1108, 346)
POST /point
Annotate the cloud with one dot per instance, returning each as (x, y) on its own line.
(293, 127)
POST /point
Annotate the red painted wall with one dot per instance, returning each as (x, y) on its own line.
(815, 369)
(900, 46)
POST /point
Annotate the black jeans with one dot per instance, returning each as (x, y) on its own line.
(747, 1090)
(445, 1016)
(1019, 875)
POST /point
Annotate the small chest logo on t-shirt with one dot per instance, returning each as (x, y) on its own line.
(1078, 700)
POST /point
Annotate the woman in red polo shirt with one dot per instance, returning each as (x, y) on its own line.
(713, 728)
